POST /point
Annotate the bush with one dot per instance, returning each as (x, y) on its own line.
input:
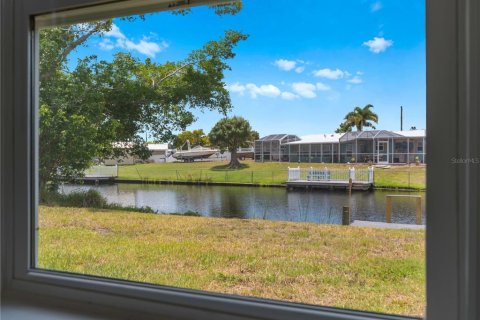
(80, 199)
(188, 213)
(85, 199)
(119, 207)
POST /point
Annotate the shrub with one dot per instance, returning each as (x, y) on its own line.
(85, 199)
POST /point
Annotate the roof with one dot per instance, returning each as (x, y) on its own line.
(152, 146)
(369, 134)
(319, 138)
(345, 137)
(274, 137)
(158, 146)
(281, 137)
(421, 133)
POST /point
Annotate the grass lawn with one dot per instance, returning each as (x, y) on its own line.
(412, 177)
(348, 267)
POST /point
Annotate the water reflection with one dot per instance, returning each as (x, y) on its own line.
(260, 203)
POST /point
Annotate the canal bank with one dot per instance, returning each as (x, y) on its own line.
(266, 203)
(93, 181)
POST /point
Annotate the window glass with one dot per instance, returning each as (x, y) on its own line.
(249, 148)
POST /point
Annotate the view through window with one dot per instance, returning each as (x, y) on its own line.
(272, 149)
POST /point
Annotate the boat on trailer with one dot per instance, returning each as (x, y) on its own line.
(191, 154)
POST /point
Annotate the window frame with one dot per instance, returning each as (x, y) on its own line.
(453, 73)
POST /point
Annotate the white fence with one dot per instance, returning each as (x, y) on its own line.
(313, 174)
(102, 172)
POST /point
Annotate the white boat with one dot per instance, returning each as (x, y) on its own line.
(191, 154)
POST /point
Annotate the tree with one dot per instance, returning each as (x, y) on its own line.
(255, 136)
(344, 127)
(195, 137)
(231, 134)
(87, 111)
(359, 118)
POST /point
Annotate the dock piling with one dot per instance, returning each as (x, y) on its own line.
(346, 216)
(419, 211)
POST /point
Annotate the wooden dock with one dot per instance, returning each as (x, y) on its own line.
(385, 225)
(329, 185)
(345, 179)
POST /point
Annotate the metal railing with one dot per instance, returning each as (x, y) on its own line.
(313, 174)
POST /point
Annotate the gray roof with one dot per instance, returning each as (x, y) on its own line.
(281, 137)
(370, 134)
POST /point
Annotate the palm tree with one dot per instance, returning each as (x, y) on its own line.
(361, 117)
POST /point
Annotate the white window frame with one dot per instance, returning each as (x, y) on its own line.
(453, 79)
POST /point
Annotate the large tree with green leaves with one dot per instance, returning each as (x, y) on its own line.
(231, 134)
(99, 109)
(195, 137)
(359, 118)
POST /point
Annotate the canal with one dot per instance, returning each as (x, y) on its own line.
(320, 206)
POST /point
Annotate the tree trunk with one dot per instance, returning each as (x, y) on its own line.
(234, 163)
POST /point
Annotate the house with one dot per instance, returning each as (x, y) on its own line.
(377, 146)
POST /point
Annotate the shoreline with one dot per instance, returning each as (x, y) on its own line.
(211, 183)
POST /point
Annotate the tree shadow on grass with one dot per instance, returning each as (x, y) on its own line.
(243, 166)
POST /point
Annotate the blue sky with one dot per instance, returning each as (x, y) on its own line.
(306, 63)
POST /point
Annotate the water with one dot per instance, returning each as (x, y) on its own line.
(320, 206)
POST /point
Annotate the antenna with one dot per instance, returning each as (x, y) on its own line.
(401, 118)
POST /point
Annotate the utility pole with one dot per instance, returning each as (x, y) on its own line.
(401, 118)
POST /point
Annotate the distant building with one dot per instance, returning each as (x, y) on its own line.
(376, 146)
(160, 152)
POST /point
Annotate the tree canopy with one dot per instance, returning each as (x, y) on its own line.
(195, 137)
(359, 118)
(231, 134)
(99, 107)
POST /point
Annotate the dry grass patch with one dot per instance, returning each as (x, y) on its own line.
(348, 267)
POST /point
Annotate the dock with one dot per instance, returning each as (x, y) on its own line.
(385, 225)
(313, 178)
(330, 185)
(100, 174)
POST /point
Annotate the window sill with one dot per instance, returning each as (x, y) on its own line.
(21, 306)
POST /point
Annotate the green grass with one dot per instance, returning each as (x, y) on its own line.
(347, 267)
(410, 177)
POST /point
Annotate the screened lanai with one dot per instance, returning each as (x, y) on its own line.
(272, 147)
(314, 148)
(375, 146)
(366, 146)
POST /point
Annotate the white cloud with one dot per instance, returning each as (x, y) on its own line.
(285, 65)
(288, 95)
(267, 90)
(304, 89)
(355, 80)
(300, 89)
(288, 65)
(106, 44)
(376, 6)
(236, 88)
(115, 33)
(144, 46)
(322, 87)
(299, 69)
(377, 45)
(330, 73)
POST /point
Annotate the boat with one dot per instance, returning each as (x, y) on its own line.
(191, 154)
